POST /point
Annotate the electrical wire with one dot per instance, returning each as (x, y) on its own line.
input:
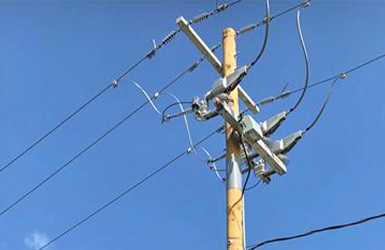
(95, 142)
(114, 83)
(330, 228)
(251, 27)
(147, 96)
(250, 167)
(303, 47)
(267, 21)
(38, 141)
(124, 193)
(212, 165)
(287, 93)
(163, 114)
(323, 106)
(304, 3)
(185, 122)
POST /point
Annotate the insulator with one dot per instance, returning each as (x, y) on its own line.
(267, 100)
(221, 8)
(152, 53)
(169, 37)
(247, 29)
(284, 94)
(200, 18)
(214, 48)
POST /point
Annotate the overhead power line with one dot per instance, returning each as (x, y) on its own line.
(127, 191)
(105, 134)
(251, 27)
(329, 228)
(344, 73)
(167, 39)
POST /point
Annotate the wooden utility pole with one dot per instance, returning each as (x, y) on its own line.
(235, 229)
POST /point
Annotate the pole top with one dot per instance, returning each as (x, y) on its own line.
(229, 32)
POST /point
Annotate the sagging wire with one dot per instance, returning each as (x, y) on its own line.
(329, 228)
(303, 47)
(267, 25)
(342, 76)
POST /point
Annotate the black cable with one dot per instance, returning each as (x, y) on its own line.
(54, 129)
(100, 138)
(287, 93)
(330, 228)
(164, 117)
(323, 106)
(125, 192)
(267, 21)
(247, 177)
(303, 47)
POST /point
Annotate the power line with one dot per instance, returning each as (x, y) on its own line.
(329, 228)
(54, 129)
(100, 138)
(125, 192)
(267, 25)
(323, 106)
(303, 47)
(287, 93)
(116, 82)
(251, 27)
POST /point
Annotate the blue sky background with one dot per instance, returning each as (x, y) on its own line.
(56, 55)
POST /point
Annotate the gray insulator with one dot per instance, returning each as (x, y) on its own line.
(200, 18)
(247, 29)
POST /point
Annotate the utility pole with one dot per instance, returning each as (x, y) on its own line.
(227, 105)
(235, 229)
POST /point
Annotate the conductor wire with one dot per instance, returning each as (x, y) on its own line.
(303, 47)
(323, 106)
(266, 21)
(124, 193)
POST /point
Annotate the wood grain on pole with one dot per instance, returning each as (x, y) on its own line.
(235, 216)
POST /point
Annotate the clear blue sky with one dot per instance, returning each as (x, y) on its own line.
(56, 55)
